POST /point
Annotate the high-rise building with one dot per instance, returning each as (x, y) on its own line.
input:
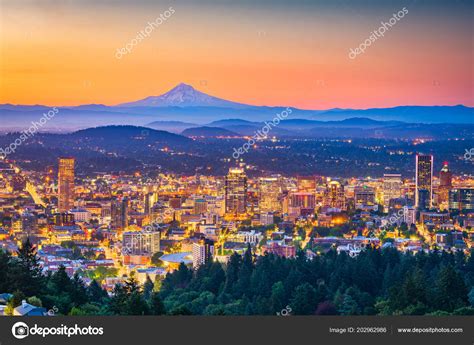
(149, 202)
(303, 200)
(424, 181)
(364, 198)
(236, 192)
(203, 251)
(334, 196)
(66, 184)
(409, 215)
(140, 242)
(423, 199)
(119, 214)
(269, 192)
(461, 199)
(392, 188)
(445, 176)
(445, 185)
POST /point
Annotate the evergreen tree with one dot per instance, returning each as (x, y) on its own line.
(27, 274)
(156, 305)
(451, 292)
(117, 304)
(304, 301)
(232, 273)
(245, 274)
(6, 267)
(278, 297)
(136, 304)
(148, 288)
(95, 292)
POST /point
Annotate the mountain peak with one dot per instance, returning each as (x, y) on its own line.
(183, 95)
(182, 87)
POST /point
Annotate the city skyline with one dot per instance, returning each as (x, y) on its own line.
(238, 158)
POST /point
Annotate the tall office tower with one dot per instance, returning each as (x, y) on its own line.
(424, 181)
(149, 202)
(66, 184)
(335, 197)
(461, 199)
(141, 242)
(203, 252)
(235, 192)
(365, 198)
(306, 184)
(269, 192)
(303, 200)
(119, 214)
(409, 215)
(445, 176)
(445, 185)
(392, 188)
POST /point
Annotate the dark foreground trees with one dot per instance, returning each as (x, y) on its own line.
(377, 282)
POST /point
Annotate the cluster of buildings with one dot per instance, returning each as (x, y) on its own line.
(115, 224)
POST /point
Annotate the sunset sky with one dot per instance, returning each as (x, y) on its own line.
(293, 53)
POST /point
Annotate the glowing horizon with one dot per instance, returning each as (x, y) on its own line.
(274, 54)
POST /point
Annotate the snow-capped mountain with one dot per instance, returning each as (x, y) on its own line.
(183, 95)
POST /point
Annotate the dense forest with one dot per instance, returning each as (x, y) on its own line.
(376, 282)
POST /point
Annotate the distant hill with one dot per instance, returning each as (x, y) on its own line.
(413, 114)
(171, 126)
(209, 132)
(232, 122)
(113, 134)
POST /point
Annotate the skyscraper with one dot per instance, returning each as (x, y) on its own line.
(119, 214)
(236, 192)
(365, 198)
(335, 197)
(445, 185)
(141, 242)
(392, 188)
(203, 252)
(66, 184)
(424, 181)
(269, 191)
